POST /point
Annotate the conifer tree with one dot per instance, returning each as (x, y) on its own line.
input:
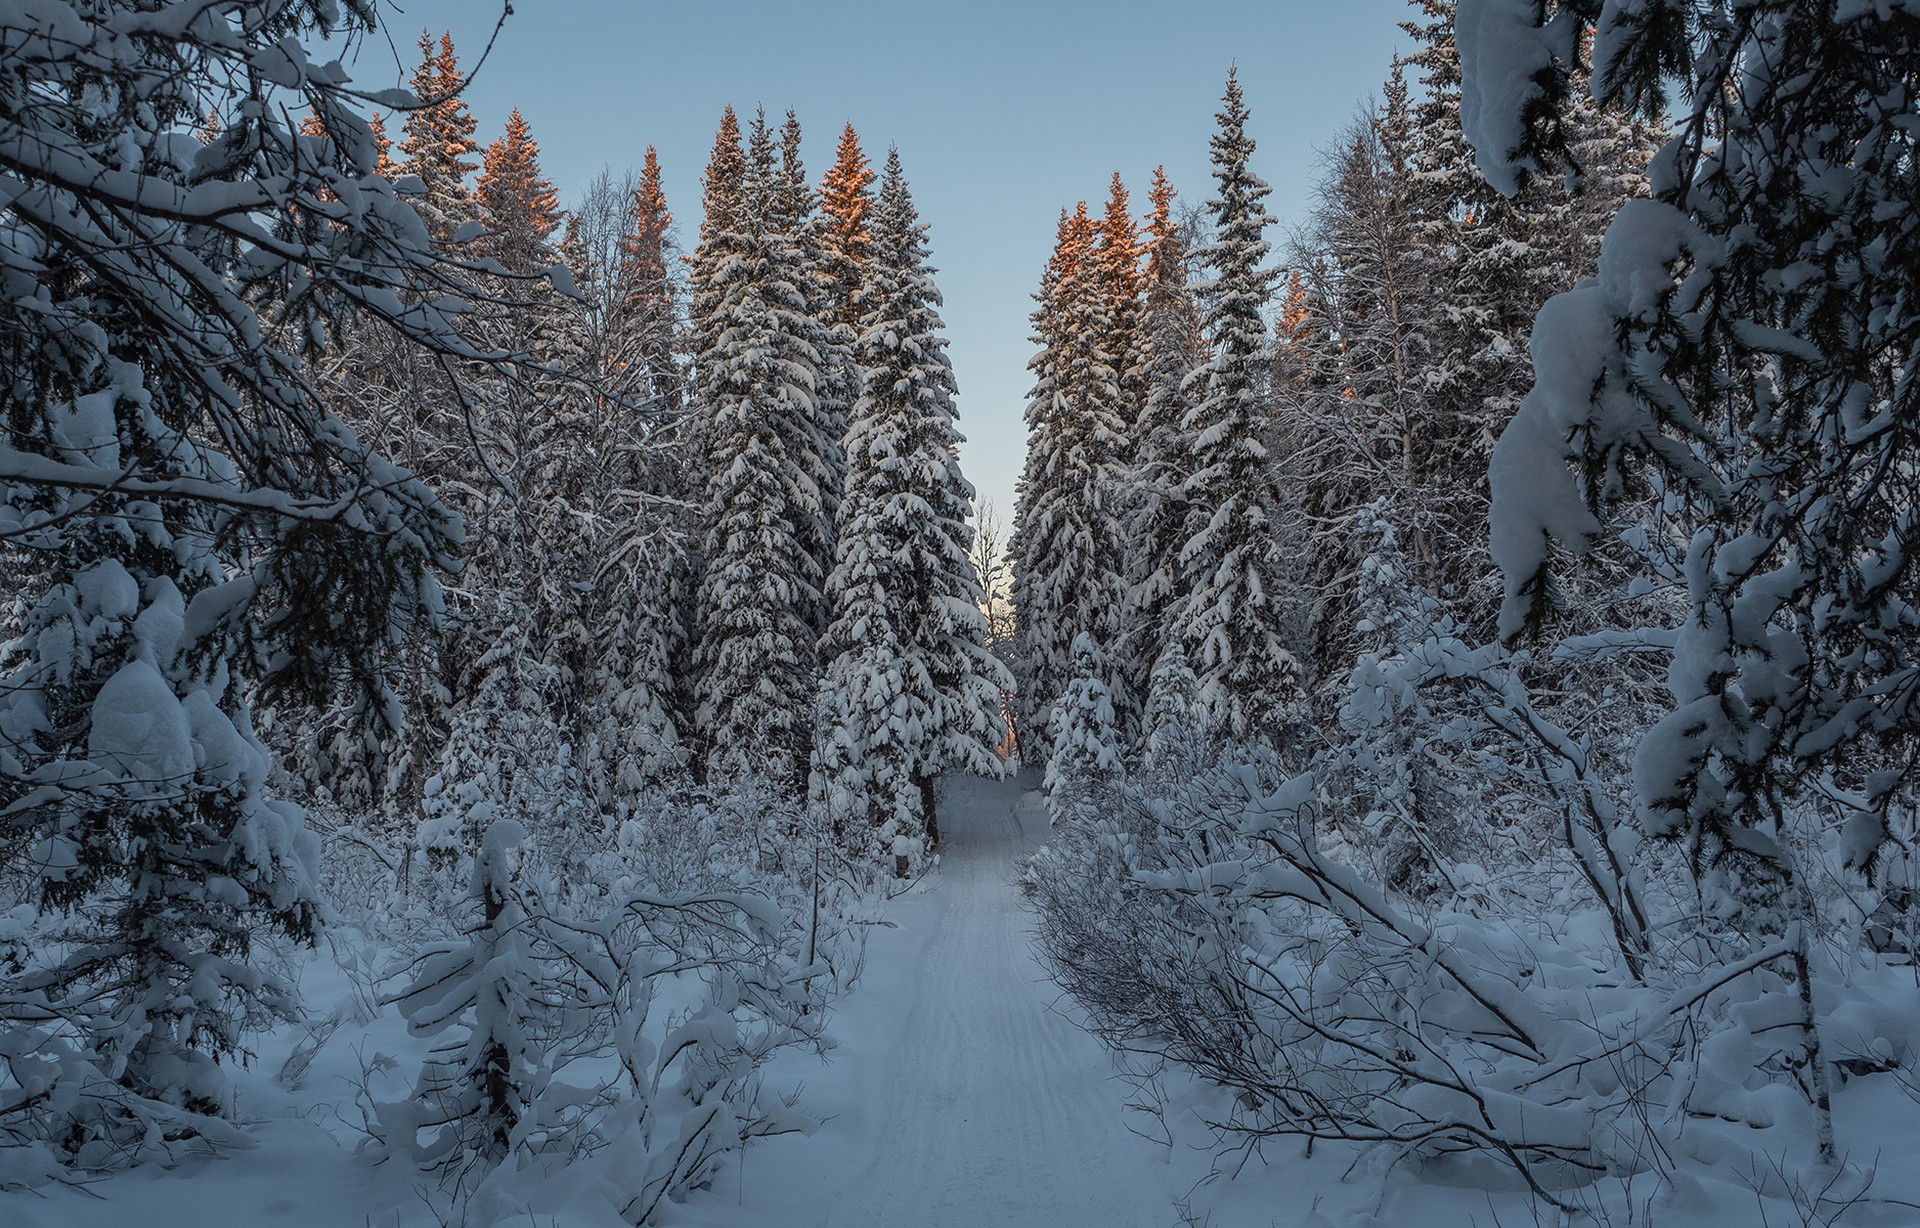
(383, 161)
(635, 502)
(647, 298)
(1069, 568)
(1498, 262)
(438, 145)
(1749, 340)
(1357, 412)
(1417, 282)
(846, 198)
(191, 528)
(911, 663)
(1086, 761)
(1118, 251)
(515, 202)
(1236, 605)
(755, 371)
(795, 229)
(1155, 514)
(723, 223)
(837, 258)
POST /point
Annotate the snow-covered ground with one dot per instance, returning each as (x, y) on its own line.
(961, 1093)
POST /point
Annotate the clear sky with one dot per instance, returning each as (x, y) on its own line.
(1004, 111)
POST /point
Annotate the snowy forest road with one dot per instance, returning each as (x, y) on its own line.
(961, 1093)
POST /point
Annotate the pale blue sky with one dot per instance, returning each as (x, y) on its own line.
(1004, 112)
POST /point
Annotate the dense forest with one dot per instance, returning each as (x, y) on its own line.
(1462, 643)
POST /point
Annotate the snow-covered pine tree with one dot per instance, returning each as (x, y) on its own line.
(384, 164)
(1418, 280)
(1173, 741)
(1069, 568)
(723, 223)
(514, 201)
(648, 296)
(838, 252)
(408, 405)
(1495, 262)
(191, 528)
(1356, 413)
(1236, 608)
(627, 498)
(1155, 513)
(474, 1093)
(523, 647)
(437, 144)
(846, 198)
(1117, 249)
(798, 232)
(909, 632)
(136, 785)
(1086, 760)
(755, 372)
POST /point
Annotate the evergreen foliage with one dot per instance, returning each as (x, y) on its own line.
(438, 146)
(516, 204)
(648, 296)
(192, 528)
(1167, 352)
(1086, 746)
(1748, 346)
(1235, 612)
(909, 634)
(755, 369)
(1069, 566)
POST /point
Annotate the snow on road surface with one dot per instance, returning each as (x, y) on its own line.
(962, 1093)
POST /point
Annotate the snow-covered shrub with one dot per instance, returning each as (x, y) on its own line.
(1565, 1010)
(630, 1035)
(473, 1096)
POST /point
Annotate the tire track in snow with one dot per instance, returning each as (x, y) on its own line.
(963, 1097)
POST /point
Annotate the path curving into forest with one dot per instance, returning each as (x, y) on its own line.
(962, 1093)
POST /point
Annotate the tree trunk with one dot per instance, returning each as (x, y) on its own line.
(925, 781)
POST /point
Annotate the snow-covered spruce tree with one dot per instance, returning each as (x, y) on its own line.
(1357, 417)
(846, 198)
(1069, 568)
(514, 201)
(189, 526)
(648, 296)
(723, 218)
(437, 144)
(1166, 353)
(476, 1088)
(1750, 340)
(1086, 745)
(921, 691)
(1419, 282)
(1236, 607)
(755, 370)
(1117, 251)
(625, 487)
(406, 404)
(799, 231)
(1172, 740)
(523, 645)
